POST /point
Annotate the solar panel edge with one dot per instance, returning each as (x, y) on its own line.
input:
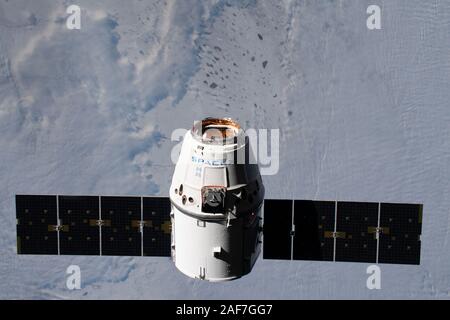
(18, 244)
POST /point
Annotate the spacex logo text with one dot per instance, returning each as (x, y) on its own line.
(213, 163)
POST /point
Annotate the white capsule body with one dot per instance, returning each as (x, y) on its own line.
(216, 199)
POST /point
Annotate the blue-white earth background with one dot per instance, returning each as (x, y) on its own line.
(363, 115)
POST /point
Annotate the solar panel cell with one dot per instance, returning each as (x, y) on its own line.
(36, 224)
(120, 232)
(157, 226)
(355, 221)
(277, 229)
(80, 234)
(401, 226)
(314, 222)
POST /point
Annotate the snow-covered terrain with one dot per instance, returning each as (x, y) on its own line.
(363, 115)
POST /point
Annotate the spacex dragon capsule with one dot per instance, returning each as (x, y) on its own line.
(216, 197)
(213, 221)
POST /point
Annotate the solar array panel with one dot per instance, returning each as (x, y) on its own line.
(93, 225)
(293, 229)
(342, 231)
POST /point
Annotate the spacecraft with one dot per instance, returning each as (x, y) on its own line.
(216, 219)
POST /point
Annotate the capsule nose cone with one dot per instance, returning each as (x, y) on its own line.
(216, 130)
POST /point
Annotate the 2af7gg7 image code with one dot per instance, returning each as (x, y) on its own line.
(225, 309)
